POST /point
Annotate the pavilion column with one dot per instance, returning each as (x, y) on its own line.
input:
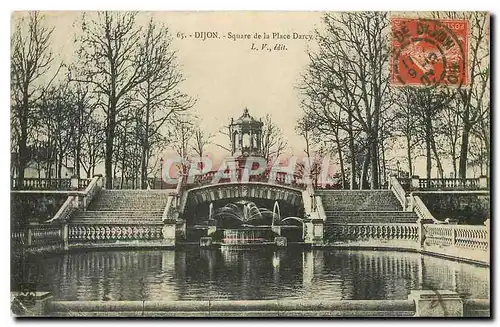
(251, 141)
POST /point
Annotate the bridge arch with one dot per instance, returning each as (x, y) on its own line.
(238, 190)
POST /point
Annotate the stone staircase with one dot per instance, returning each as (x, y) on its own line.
(359, 200)
(124, 207)
(379, 217)
(363, 206)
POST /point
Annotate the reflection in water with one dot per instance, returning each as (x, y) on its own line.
(262, 273)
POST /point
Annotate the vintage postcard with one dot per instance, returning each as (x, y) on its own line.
(250, 164)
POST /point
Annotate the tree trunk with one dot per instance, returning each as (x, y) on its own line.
(373, 162)
(438, 161)
(384, 170)
(428, 149)
(408, 154)
(352, 183)
(110, 137)
(464, 151)
(341, 159)
(22, 158)
(108, 164)
(363, 180)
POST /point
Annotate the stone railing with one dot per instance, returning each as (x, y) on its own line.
(424, 215)
(398, 191)
(37, 235)
(78, 200)
(460, 236)
(92, 189)
(448, 183)
(50, 184)
(280, 178)
(111, 233)
(68, 207)
(415, 183)
(84, 182)
(320, 209)
(367, 231)
(170, 209)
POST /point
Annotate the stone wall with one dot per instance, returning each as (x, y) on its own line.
(34, 207)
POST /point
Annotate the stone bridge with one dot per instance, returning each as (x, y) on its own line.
(235, 190)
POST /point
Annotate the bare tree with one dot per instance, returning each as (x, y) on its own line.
(272, 142)
(475, 96)
(405, 117)
(181, 138)
(159, 99)
(92, 146)
(31, 62)
(200, 140)
(349, 70)
(111, 61)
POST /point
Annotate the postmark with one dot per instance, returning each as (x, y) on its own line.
(429, 52)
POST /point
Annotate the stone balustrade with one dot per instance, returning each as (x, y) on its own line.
(37, 237)
(398, 190)
(371, 231)
(415, 183)
(109, 233)
(50, 184)
(460, 236)
(424, 215)
(280, 178)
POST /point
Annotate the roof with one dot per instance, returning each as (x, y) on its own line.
(246, 119)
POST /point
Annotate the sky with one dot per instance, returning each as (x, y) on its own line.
(224, 74)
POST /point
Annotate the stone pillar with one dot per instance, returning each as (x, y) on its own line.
(168, 231)
(318, 231)
(65, 236)
(487, 224)
(76, 201)
(437, 303)
(181, 227)
(483, 182)
(421, 233)
(74, 182)
(415, 182)
(313, 231)
(30, 236)
(251, 141)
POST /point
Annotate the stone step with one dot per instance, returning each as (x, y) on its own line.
(334, 217)
(129, 200)
(117, 221)
(359, 200)
(371, 213)
(118, 213)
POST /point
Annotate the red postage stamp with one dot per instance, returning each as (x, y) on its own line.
(429, 52)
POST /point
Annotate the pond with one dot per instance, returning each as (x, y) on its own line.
(251, 274)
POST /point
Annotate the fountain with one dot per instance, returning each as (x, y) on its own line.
(276, 208)
(210, 211)
(246, 223)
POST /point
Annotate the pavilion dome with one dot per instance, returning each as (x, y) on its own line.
(246, 119)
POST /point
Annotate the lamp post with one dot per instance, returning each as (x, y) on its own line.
(161, 173)
(397, 165)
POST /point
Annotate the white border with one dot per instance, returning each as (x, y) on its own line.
(308, 5)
